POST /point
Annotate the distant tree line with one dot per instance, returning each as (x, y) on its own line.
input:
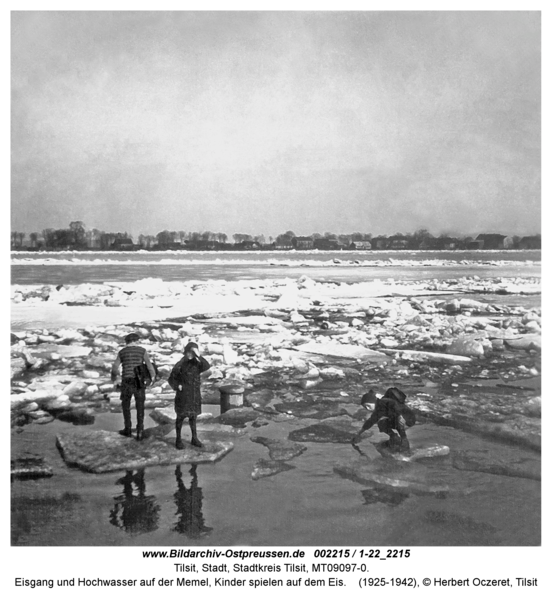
(78, 237)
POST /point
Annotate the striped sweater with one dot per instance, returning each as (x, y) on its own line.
(130, 357)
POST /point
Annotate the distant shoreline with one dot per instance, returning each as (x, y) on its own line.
(278, 250)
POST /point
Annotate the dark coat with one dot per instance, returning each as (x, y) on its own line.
(392, 410)
(187, 373)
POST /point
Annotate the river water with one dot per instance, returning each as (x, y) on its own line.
(346, 266)
(220, 504)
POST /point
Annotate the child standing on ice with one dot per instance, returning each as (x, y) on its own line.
(185, 380)
(129, 359)
(390, 414)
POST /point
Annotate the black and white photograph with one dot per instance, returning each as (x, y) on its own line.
(276, 279)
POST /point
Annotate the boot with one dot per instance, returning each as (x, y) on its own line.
(195, 440)
(179, 444)
(127, 431)
(140, 402)
(405, 444)
(394, 442)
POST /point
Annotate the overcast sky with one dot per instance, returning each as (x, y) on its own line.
(378, 122)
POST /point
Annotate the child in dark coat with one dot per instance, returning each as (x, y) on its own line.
(185, 380)
(390, 414)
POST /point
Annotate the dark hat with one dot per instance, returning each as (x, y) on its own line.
(190, 346)
(131, 337)
(369, 398)
(395, 394)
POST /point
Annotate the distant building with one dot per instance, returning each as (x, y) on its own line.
(302, 243)
(397, 242)
(122, 244)
(379, 243)
(360, 246)
(326, 244)
(494, 241)
(248, 245)
(530, 242)
(440, 243)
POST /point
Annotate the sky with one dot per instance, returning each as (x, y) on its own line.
(264, 122)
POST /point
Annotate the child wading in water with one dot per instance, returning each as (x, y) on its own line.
(390, 414)
(185, 380)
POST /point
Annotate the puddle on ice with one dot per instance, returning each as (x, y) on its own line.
(309, 504)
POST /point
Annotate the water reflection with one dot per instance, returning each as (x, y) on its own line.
(189, 506)
(134, 512)
(384, 496)
(50, 514)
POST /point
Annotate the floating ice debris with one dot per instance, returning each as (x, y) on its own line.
(416, 452)
(511, 465)
(331, 348)
(407, 477)
(30, 467)
(267, 468)
(417, 355)
(280, 449)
